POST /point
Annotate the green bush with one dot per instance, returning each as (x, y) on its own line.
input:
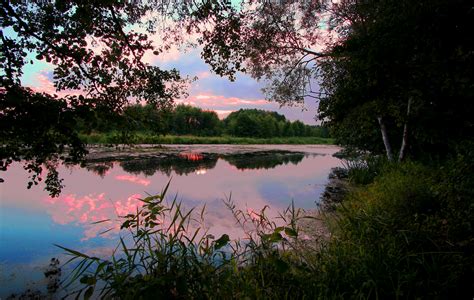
(406, 235)
(364, 169)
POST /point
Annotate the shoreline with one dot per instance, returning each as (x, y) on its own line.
(314, 222)
(121, 151)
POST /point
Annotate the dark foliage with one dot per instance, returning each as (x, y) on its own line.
(395, 53)
(93, 52)
(190, 120)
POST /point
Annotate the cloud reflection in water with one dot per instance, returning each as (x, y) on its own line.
(86, 210)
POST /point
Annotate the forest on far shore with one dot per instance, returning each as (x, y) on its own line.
(190, 120)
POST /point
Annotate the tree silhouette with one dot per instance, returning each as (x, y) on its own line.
(96, 50)
(392, 74)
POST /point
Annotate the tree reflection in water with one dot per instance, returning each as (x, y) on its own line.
(100, 168)
(179, 164)
(263, 160)
(185, 163)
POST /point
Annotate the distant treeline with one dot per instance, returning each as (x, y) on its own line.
(190, 120)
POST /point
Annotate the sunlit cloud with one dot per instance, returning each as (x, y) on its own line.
(129, 205)
(73, 208)
(253, 214)
(41, 83)
(204, 74)
(173, 54)
(209, 100)
(222, 113)
(203, 97)
(133, 179)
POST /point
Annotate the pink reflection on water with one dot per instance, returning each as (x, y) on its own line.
(86, 210)
(133, 179)
(128, 206)
(88, 198)
(191, 156)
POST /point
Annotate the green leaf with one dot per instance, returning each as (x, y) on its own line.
(290, 232)
(88, 293)
(74, 252)
(88, 280)
(281, 265)
(150, 198)
(275, 237)
(101, 266)
(279, 229)
(221, 242)
(125, 224)
(101, 221)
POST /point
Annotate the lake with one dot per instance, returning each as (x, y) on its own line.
(110, 183)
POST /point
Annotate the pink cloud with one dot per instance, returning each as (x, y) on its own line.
(253, 214)
(84, 211)
(211, 101)
(203, 74)
(222, 114)
(203, 97)
(128, 206)
(133, 179)
(173, 47)
(42, 84)
(173, 54)
(71, 208)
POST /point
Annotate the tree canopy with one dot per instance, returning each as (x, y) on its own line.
(97, 50)
(408, 64)
(392, 74)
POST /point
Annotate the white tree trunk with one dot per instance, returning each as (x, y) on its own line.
(386, 141)
(403, 148)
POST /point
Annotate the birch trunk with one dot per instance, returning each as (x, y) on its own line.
(403, 148)
(386, 141)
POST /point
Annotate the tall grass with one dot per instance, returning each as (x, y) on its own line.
(363, 169)
(167, 255)
(408, 234)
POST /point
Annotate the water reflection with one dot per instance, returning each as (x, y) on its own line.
(31, 221)
(185, 163)
(180, 165)
(99, 168)
(95, 213)
(264, 160)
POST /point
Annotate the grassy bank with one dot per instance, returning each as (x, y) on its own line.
(143, 138)
(404, 231)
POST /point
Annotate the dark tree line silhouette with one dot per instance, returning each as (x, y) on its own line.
(190, 120)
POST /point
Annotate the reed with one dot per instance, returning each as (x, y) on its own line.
(403, 233)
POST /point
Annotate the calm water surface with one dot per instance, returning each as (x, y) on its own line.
(31, 221)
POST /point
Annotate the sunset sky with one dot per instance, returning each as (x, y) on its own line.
(208, 92)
